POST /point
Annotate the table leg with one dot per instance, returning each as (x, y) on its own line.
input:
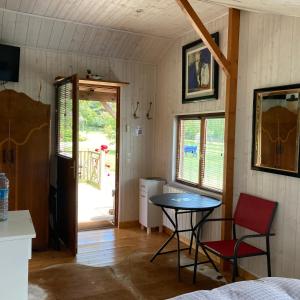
(162, 247)
(178, 244)
(192, 233)
(196, 257)
(178, 250)
(198, 227)
(158, 252)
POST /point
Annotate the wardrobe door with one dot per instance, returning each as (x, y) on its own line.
(6, 147)
(29, 132)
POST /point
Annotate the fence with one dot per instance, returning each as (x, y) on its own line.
(90, 167)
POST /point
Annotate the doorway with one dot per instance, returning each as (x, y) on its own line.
(102, 162)
(98, 148)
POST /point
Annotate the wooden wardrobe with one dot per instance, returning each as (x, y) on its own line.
(24, 148)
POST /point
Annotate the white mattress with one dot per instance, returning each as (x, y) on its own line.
(269, 288)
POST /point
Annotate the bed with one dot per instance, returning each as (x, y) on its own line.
(268, 288)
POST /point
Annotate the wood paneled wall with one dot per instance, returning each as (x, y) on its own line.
(269, 56)
(169, 104)
(38, 68)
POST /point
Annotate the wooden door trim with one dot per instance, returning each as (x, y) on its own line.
(117, 155)
(117, 176)
(75, 138)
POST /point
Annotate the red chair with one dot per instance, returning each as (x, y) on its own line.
(253, 213)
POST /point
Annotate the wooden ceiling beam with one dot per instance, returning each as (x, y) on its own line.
(205, 36)
(230, 118)
(88, 88)
(97, 96)
(108, 108)
(102, 82)
(230, 67)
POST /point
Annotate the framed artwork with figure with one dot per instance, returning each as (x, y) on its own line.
(200, 72)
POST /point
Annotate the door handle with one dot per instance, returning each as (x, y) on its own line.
(7, 156)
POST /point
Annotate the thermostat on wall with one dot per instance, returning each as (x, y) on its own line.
(138, 131)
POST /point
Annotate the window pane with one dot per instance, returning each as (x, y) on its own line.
(214, 153)
(65, 120)
(188, 151)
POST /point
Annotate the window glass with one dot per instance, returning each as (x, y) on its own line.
(189, 150)
(214, 153)
(200, 158)
(65, 120)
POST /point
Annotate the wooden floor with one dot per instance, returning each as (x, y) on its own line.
(115, 264)
(102, 248)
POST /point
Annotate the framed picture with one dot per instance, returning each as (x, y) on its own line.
(200, 72)
(276, 130)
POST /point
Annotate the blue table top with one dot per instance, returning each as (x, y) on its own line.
(185, 201)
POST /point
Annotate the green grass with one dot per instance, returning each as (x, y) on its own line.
(214, 161)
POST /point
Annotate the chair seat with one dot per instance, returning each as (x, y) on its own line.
(226, 248)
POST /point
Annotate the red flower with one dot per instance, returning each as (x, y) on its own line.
(104, 147)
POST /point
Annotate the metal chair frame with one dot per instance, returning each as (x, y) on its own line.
(234, 258)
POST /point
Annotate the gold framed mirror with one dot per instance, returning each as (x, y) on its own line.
(276, 125)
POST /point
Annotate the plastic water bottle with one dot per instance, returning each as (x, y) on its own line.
(4, 186)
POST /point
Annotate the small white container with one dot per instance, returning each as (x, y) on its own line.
(4, 189)
(150, 214)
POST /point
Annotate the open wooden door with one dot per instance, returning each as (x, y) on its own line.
(66, 154)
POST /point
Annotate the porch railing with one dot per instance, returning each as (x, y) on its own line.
(90, 167)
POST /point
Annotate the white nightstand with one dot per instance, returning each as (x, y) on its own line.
(15, 250)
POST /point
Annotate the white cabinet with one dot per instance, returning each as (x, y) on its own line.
(150, 215)
(15, 250)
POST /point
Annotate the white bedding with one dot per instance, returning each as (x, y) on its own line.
(269, 288)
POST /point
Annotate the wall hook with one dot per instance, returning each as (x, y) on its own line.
(148, 112)
(135, 111)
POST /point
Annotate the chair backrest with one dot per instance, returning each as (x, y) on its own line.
(254, 213)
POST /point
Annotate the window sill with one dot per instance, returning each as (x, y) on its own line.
(195, 190)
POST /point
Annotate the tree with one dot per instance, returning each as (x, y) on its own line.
(94, 117)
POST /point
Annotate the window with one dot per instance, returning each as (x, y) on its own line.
(200, 151)
(65, 119)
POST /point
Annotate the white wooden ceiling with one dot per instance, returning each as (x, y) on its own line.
(128, 29)
(280, 7)
(38, 32)
(153, 17)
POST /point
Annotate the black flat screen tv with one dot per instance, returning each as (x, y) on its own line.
(9, 63)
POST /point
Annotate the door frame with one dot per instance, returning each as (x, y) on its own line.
(117, 88)
(117, 158)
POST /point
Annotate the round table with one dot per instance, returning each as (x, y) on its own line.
(183, 203)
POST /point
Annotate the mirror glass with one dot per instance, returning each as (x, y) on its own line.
(276, 130)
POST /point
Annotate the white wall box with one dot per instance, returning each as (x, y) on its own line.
(150, 215)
